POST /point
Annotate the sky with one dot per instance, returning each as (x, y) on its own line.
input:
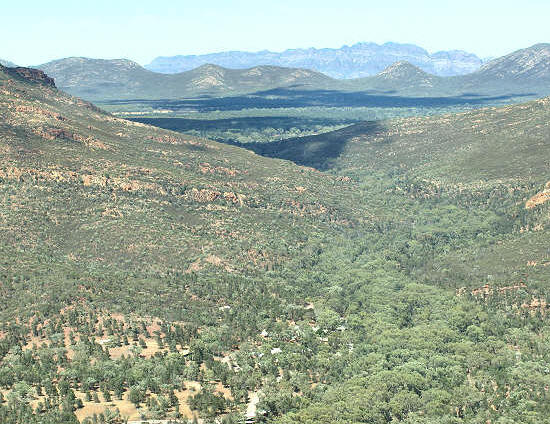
(34, 32)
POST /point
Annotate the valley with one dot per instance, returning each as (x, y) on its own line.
(289, 102)
(274, 245)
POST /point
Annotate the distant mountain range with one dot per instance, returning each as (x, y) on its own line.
(359, 60)
(526, 71)
(123, 79)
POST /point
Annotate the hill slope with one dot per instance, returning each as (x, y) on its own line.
(359, 60)
(527, 64)
(122, 79)
(54, 139)
(491, 162)
(495, 137)
(147, 273)
(521, 71)
(119, 219)
(495, 158)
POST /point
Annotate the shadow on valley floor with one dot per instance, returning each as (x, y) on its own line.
(318, 151)
(285, 98)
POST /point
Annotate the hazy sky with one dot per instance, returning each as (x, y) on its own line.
(33, 32)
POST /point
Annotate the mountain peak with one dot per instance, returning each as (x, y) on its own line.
(210, 67)
(403, 70)
(208, 77)
(86, 63)
(77, 71)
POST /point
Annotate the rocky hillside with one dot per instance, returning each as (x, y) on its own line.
(359, 60)
(531, 64)
(149, 275)
(52, 139)
(28, 74)
(113, 218)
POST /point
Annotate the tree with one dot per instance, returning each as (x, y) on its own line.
(136, 396)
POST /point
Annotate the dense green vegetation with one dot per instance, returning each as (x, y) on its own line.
(168, 276)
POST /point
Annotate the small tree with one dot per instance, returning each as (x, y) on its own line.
(136, 396)
(173, 399)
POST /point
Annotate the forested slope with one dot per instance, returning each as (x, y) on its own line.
(147, 273)
(471, 194)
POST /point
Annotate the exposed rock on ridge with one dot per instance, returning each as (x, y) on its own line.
(30, 74)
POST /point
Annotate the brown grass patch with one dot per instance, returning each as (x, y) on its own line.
(126, 408)
(539, 198)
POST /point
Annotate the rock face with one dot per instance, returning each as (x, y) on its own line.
(359, 60)
(30, 74)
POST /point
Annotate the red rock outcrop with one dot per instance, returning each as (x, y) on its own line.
(34, 75)
(539, 198)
